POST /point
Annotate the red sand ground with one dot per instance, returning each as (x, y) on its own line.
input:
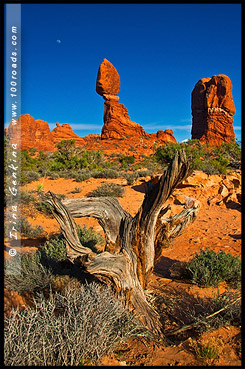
(217, 227)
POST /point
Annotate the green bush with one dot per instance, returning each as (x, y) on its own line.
(108, 189)
(89, 238)
(215, 160)
(126, 160)
(209, 268)
(55, 248)
(53, 175)
(29, 176)
(44, 207)
(68, 328)
(144, 173)
(131, 177)
(105, 173)
(80, 177)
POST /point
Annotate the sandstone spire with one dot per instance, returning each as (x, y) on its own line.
(117, 123)
(212, 110)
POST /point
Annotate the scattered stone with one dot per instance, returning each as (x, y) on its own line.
(228, 184)
(179, 199)
(223, 191)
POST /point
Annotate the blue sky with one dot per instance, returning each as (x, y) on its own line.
(159, 50)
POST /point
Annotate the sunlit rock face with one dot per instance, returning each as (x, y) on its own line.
(212, 110)
(28, 132)
(65, 132)
(117, 122)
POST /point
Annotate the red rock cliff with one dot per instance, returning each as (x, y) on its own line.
(28, 132)
(212, 110)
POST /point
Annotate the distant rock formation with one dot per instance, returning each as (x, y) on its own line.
(65, 132)
(212, 110)
(28, 132)
(117, 123)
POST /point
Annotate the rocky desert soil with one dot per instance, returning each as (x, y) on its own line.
(218, 226)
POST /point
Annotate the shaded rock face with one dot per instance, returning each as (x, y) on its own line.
(117, 123)
(65, 132)
(212, 110)
(28, 132)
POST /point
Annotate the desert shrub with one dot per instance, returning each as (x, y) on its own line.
(24, 227)
(89, 238)
(144, 173)
(44, 162)
(131, 177)
(44, 207)
(53, 175)
(27, 162)
(213, 166)
(126, 160)
(32, 151)
(61, 196)
(209, 268)
(28, 230)
(29, 176)
(71, 157)
(183, 310)
(26, 273)
(26, 197)
(77, 190)
(80, 177)
(106, 173)
(55, 248)
(230, 151)
(108, 189)
(68, 329)
(215, 160)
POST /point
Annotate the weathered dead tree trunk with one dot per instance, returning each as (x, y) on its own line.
(133, 244)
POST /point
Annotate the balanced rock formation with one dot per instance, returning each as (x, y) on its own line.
(108, 79)
(27, 132)
(65, 132)
(212, 110)
(117, 123)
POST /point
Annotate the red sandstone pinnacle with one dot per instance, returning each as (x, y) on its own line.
(108, 79)
(117, 123)
(212, 110)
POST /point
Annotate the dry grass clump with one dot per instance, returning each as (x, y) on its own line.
(208, 349)
(26, 273)
(68, 329)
